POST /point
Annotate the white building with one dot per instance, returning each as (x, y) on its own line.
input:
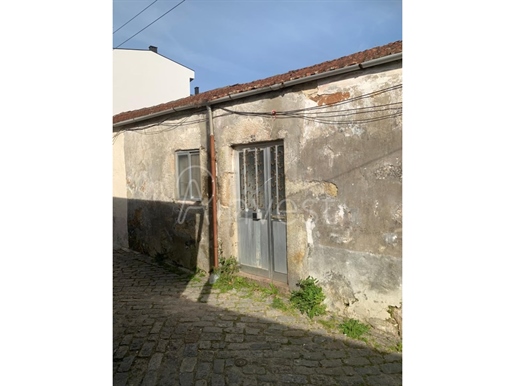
(141, 78)
(144, 78)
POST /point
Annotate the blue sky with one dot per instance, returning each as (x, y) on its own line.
(238, 41)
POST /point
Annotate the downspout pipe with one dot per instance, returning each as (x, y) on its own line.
(212, 156)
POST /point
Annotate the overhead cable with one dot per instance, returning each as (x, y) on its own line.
(312, 114)
(141, 30)
(148, 6)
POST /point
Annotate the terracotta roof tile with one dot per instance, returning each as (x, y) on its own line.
(200, 99)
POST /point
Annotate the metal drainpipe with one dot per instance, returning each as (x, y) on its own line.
(213, 186)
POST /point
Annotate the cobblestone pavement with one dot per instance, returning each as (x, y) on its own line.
(171, 331)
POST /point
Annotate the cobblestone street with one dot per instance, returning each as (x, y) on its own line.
(171, 331)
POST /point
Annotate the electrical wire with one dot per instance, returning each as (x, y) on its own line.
(311, 114)
(332, 116)
(316, 108)
(170, 127)
(174, 126)
(141, 30)
(148, 6)
(358, 110)
(326, 114)
(367, 95)
(140, 130)
(354, 121)
(395, 107)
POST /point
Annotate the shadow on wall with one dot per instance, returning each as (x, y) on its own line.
(167, 231)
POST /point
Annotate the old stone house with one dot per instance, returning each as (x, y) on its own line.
(295, 175)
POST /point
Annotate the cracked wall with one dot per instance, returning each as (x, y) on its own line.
(343, 184)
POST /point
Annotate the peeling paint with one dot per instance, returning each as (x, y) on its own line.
(330, 98)
(344, 238)
(341, 212)
(316, 188)
(338, 176)
(376, 206)
(397, 215)
(390, 238)
(388, 171)
(330, 155)
(310, 225)
(338, 214)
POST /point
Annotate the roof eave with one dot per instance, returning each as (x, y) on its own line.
(230, 97)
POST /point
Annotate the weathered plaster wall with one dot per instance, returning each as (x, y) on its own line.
(159, 222)
(120, 236)
(343, 184)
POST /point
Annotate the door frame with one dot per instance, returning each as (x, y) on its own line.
(264, 273)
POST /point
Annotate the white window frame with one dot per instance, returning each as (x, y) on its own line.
(188, 196)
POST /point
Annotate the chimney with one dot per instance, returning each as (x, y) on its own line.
(196, 90)
(153, 49)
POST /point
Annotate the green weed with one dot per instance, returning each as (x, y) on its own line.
(228, 283)
(309, 298)
(329, 324)
(271, 290)
(354, 328)
(227, 266)
(279, 304)
(228, 280)
(397, 347)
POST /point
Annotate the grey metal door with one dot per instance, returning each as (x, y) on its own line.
(262, 218)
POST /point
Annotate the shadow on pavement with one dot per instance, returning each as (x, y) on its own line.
(171, 330)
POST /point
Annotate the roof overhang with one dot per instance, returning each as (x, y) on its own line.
(230, 97)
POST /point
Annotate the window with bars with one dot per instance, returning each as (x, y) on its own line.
(262, 171)
(188, 175)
